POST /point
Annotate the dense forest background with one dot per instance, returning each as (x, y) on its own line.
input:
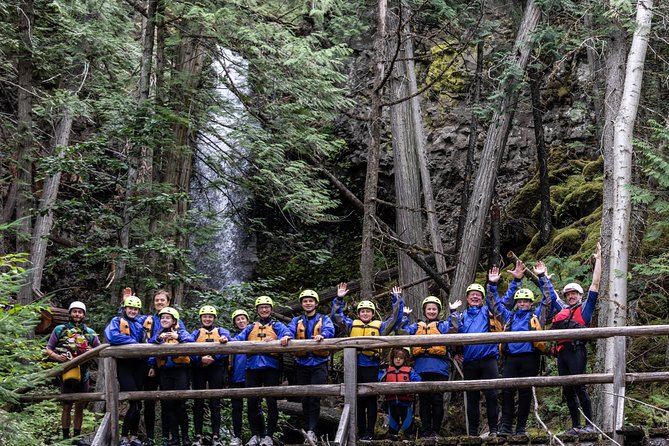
(225, 149)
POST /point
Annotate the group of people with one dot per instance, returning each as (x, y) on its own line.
(486, 311)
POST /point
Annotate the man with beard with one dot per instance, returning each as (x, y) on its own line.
(66, 342)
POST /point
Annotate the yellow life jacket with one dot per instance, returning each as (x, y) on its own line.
(534, 325)
(373, 328)
(260, 332)
(148, 325)
(124, 327)
(180, 360)
(205, 335)
(429, 329)
(494, 324)
(301, 333)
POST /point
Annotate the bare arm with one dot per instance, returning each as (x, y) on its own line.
(597, 270)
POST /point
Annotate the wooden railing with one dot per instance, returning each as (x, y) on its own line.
(108, 432)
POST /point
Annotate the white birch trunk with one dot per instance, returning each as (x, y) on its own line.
(622, 208)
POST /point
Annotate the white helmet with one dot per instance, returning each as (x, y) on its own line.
(77, 304)
(572, 287)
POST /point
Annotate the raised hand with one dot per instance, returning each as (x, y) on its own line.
(539, 268)
(407, 310)
(455, 305)
(342, 289)
(493, 275)
(518, 271)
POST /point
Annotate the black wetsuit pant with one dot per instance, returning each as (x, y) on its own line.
(481, 369)
(518, 366)
(214, 376)
(367, 407)
(237, 410)
(151, 383)
(174, 412)
(262, 378)
(431, 406)
(572, 359)
(311, 405)
(131, 374)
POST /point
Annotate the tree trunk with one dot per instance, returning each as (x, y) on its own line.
(24, 154)
(406, 137)
(471, 148)
(373, 154)
(622, 175)
(615, 76)
(187, 66)
(495, 258)
(491, 158)
(542, 157)
(44, 220)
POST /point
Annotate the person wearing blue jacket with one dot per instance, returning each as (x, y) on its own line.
(431, 362)
(574, 313)
(521, 359)
(311, 367)
(208, 370)
(161, 299)
(479, 361)
(368, 360)
(240, 319)
(263, 370)
(400, 406)
(173, 374)
(127, 329)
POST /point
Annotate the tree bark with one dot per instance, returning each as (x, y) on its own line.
(471, 148)
(615, 76)
(44, 220)
(24, 154)
(406, 136)
(622, 207)
(495, 258)
(542, 156)
(373, 154)
(491, 157)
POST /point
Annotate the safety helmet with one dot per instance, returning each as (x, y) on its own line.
(523, 293)
(239, 312)
(310, 293)
(77, 304)
(132, 301)
(572, 287)
(208, 309)
(264, 300)
(431, 300)
(366, 304)
(171, 311)
(475, 287)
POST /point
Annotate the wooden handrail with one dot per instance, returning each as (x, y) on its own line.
(371, 342)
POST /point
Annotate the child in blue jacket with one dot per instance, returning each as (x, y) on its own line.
(127, 329)
(240, 319)
(173, 374)
(208, 372)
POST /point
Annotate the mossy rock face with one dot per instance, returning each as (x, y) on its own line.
(447, 70)
(594, 169)
(566, 240)
(580, 202)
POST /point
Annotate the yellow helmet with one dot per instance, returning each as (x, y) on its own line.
(431, 300)
(264, 300)
(523, 293)
(366, 304)
(208, 309)
(132, 301)
(171, 311)
(239, 312)
(475, 287)
(310, 293)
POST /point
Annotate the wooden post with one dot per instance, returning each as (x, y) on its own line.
(619, 387)
(111, 396)
(351, 390)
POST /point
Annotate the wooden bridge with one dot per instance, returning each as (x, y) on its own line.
(108, 431)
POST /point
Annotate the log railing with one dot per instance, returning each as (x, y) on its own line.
(349, 389)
